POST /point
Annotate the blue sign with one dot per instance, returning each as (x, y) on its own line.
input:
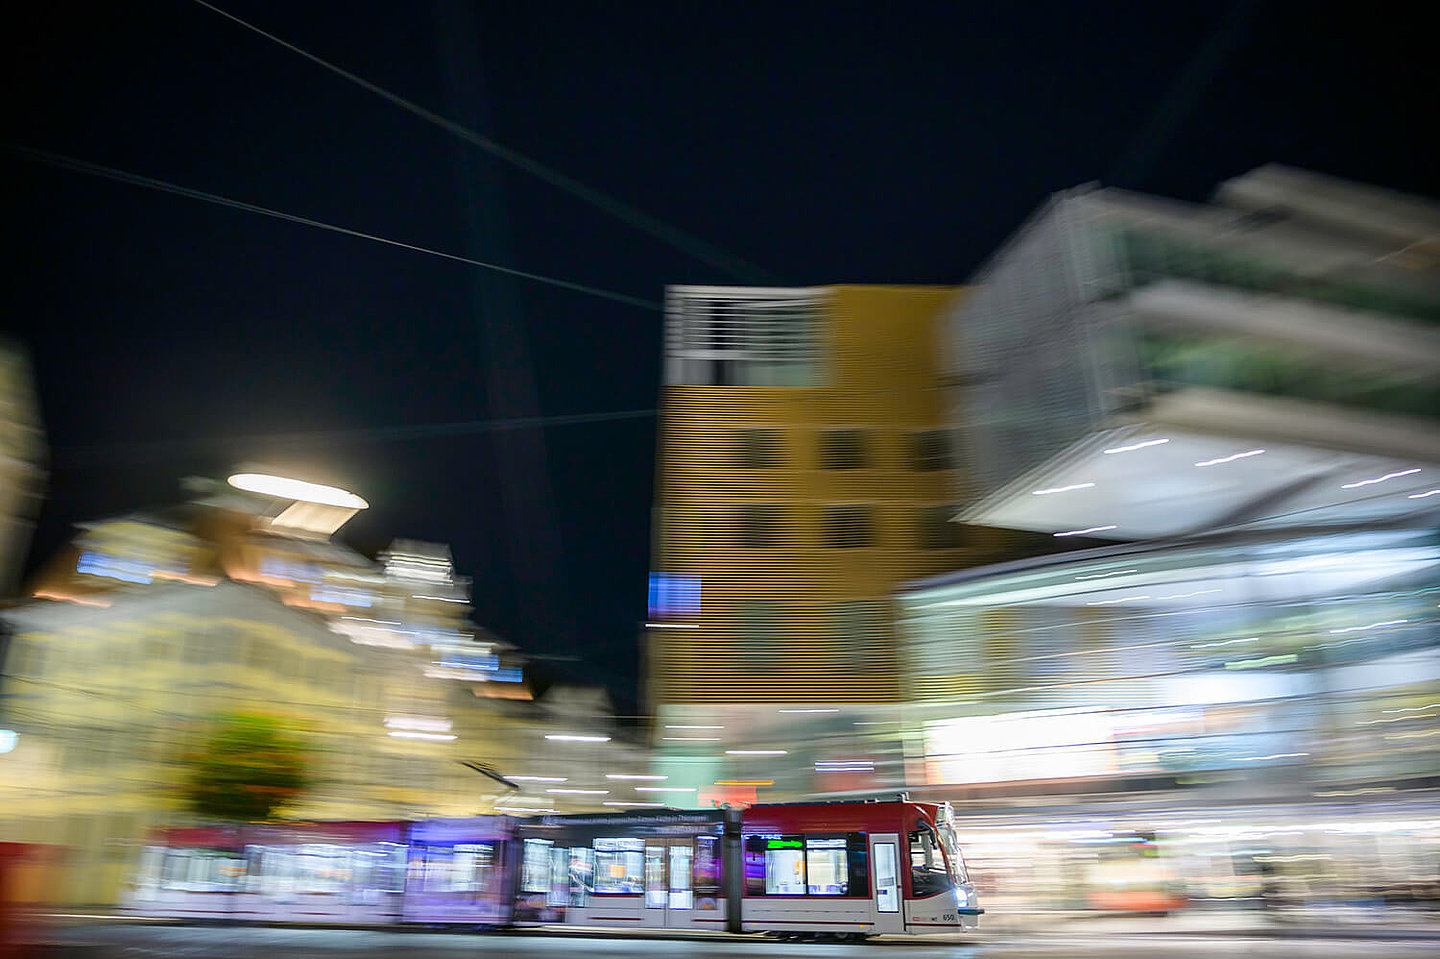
(674, 597)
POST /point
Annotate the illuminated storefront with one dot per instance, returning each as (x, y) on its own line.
(1183, 659)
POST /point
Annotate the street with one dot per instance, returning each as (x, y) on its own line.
(102, 941)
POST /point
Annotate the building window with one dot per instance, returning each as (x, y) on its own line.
(937, 528)
(844, 449)
(757, 636)
(757, 448)
(930, 450)
(724, 336)
(859, 632)
(759, 524)
(850, 525)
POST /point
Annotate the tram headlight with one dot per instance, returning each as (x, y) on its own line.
(962, 897)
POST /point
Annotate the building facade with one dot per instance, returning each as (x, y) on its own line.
(1238, 700)
(804, 471)
(149, 625)
(22, 459)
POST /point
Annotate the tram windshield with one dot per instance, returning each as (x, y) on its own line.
(952, 852)
(928, 874)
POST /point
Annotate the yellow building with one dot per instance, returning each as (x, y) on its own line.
(22, 452)
(148, 625)
(805, 471)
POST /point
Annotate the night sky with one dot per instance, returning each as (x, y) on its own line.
(817, 143)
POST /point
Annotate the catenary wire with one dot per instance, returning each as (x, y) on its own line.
(674, 236)
(72, 164)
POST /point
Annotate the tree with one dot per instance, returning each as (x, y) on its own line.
(245, 767)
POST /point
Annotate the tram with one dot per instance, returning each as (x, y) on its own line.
(794, 870)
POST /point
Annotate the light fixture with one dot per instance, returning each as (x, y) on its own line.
(1430, 492)
(416, 734)
(1090, 529)
(635, 776)
(284, 488)
(755, 752)
(1219, 460)
(568, 738)
(581, 792)
(745, 782)
(538, 779)
(1112, 602)
(1134, 446)
(664, 789)
(423, 723)
(1381, 479)
(1118, 572)
(1061, 489)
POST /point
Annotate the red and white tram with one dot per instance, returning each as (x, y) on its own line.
(857, 869)
(830, 870)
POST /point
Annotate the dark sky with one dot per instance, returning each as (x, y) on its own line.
(854, 142)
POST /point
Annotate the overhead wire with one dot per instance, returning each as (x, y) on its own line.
(75, 165)
(88, 455)
(702, 250)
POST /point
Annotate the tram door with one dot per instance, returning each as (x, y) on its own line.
(669, 889)
(886, 886)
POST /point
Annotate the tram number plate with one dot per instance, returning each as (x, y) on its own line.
(949, 917)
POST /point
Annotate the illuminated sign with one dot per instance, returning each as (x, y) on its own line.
(988, 749)
(674, 597)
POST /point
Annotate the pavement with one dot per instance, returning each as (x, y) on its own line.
(999, 930)
(112, 940)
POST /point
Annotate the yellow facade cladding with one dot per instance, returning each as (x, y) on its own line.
(879, 365)
(107, 697)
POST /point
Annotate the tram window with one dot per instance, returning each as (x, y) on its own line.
(857, 847)
(619, 867)
(952, 851)
(825, 867)
(784, 866)
(707, 872)
(559, 894)
(582, 875)
(927, 867)
(836, 864)
(654, 877)
(535, 867)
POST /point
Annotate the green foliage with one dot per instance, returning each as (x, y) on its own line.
(246, 766)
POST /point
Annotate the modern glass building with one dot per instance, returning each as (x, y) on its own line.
(1243, 693)
(1133, 367)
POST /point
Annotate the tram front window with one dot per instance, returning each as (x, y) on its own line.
(928, 875)
(952, 852)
